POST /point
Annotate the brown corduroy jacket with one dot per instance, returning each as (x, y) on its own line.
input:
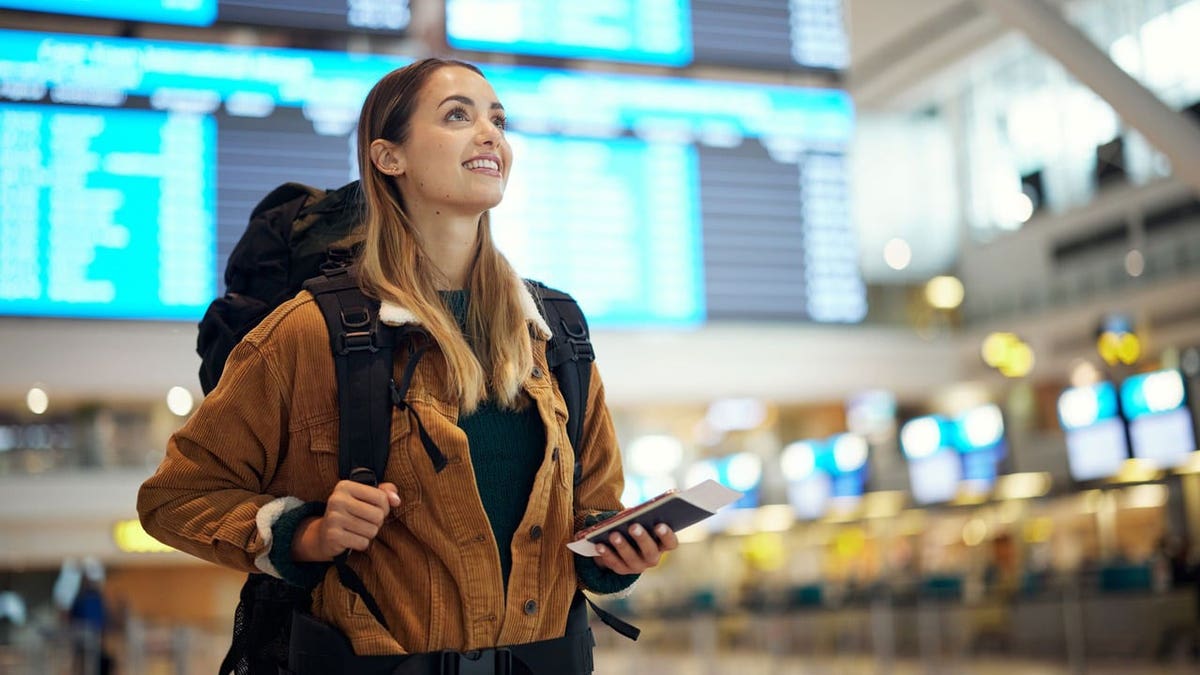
(266, 441)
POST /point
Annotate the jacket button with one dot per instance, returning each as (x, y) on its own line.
(537, 372)
(535, 532)
(531, 607)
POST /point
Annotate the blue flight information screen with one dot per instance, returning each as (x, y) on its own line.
(106, 212)
(640, 31)
(772, 34)
(131, 167)
(632, 209)
(373, 16)
(183, 12)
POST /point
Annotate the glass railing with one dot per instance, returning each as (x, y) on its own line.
(1089, 280)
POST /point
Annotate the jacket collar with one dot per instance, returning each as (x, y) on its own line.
(395, 315)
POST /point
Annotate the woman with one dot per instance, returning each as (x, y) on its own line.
(468, 558)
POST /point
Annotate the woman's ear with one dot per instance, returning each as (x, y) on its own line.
(387, 157)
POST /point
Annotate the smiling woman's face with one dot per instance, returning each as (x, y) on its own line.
(456, 156)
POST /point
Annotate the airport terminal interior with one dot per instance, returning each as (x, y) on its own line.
(919, 279)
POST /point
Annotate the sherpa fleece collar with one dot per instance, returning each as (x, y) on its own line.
(395, 315)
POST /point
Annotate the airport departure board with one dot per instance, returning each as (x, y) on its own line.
(347, 15)
(105, 213)
(640, 31)
(183, 12)
(382, 16)
(131, 168)
(774, 34)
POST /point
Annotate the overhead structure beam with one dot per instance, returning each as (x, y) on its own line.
(1172, 133)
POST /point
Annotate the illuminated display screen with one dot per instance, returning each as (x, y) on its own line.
(1096, 440)
(365, 15)
(978, 436)
(809, 497)
(946, 454)
(1097, 451)
(385, 16)
(1160, 424)
(818, 471)
(185, 12)
(642, 31)
(748, 33)
(742, 472)
(770, 33)
(935, 478)
(106, 212)
(654, 201)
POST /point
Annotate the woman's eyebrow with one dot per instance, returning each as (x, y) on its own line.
(465, 100)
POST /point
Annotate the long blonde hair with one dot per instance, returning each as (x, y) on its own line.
(495, 357)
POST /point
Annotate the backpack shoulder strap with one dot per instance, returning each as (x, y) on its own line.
(570, 355)
(362, 354)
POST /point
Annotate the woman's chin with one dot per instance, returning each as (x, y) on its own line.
(488, 203)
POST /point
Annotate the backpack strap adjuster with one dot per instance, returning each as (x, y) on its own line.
(357, 341)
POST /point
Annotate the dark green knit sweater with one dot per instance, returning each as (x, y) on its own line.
(506, 451)
(507, 447)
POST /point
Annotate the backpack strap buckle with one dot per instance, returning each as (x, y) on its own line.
(582, 350)
(356, 341)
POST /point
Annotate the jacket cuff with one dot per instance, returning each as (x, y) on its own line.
(277, 522)
(594, 578)
(598, 580)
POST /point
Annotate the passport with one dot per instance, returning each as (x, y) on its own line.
(677, 508)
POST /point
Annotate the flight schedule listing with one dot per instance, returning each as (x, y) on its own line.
(619, 228)
(641, 31)
(105, 212)
(131, 166)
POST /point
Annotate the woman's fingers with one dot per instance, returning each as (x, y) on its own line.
(646, 546)
(360, 510)
(610, 560)
(349, 491)
(638, 551)
(667, 541)
(354, 513)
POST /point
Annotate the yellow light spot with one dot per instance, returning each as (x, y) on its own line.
(849, 543)
(944, 292)
(1129, 349)
(996, 347)
(1038, 530)
(131, 538)
(1136, 470)
(765, 551)
(974, 532)
(1019, 362)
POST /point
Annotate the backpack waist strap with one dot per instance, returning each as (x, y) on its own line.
(319, 649)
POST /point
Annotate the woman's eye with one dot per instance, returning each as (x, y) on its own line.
(457, 115)
(500, 122)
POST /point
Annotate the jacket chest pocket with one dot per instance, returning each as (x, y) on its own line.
(324, 444)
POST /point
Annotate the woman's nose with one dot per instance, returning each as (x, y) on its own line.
(488, 134)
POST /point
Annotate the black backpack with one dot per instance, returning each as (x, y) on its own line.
(296, 239)
(296, 234)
